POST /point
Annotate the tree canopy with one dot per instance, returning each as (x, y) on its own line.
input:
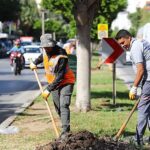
(9, 10)
(28, 16)
(79, 16)
(138, 19)
(107, 13)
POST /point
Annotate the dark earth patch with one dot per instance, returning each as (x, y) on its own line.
(85, 140)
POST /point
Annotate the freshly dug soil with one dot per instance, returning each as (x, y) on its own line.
(85, 140)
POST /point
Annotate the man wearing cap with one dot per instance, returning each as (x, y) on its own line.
(59, 76)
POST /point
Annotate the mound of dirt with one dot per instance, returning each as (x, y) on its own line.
(85, 140)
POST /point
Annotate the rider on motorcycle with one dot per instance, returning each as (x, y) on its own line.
(17, 48)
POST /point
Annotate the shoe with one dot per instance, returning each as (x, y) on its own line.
(146, 140)
(136, 142)
(63, 136)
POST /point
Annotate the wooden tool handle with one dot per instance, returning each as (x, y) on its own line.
(47, 104)
(127, 120)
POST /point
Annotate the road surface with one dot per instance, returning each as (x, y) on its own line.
(16, 92)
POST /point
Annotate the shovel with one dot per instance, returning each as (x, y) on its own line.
(126, 121)
(47, 104)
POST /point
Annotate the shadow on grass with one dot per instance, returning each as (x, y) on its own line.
(110, 107)
(106, 94)
(127, 133)
(27, 114)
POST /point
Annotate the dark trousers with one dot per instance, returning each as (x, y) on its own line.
(143, 112)
(62, 100)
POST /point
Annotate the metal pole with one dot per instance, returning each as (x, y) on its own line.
(43, 25)
(54, 36)
(114, 83)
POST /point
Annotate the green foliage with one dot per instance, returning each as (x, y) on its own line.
(29, 16)
(135, 20)
(61, 8)
(107, 13)
(9, 10)
(138, 19)
(145, 17)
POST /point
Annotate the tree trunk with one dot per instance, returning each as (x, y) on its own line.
(83, 68)
(84, 12)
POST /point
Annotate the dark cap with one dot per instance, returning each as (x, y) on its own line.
(47, 41)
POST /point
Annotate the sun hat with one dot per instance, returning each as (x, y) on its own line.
(47, 41)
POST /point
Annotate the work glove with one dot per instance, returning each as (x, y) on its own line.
(45, 94)
(133, 93)
(33, 66)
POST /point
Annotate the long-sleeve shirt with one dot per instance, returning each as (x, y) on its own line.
(18, 49)
(60, 68)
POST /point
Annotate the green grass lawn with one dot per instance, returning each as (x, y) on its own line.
(104, 119)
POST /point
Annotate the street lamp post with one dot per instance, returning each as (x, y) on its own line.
(43, 12)
(43, 21)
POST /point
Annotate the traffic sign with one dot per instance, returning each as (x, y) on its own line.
(102, 31)
(112, 51)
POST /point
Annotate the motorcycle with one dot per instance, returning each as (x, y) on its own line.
(16, 62)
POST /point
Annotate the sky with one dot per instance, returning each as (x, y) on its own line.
(122, 21)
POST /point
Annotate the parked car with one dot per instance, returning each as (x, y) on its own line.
(25, 43)
(32, 52)
(3, 50)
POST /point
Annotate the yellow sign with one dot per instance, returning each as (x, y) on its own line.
(102, 31)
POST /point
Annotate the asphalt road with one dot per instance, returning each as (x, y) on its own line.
(16, 92)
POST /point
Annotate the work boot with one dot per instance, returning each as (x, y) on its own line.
(63, 136)
(146, 140)
(137, 142)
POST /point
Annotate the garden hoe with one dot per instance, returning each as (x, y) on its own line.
(126, 121)
(48, 107)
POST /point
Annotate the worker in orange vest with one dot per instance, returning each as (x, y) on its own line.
(59, 76)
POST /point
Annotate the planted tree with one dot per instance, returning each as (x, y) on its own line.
(81, 14)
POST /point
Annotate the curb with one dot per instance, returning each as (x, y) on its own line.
(31, 95)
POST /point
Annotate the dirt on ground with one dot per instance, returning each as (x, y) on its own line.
(85, 140)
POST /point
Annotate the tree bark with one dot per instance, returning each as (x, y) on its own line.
(83, 69)
(84, 12)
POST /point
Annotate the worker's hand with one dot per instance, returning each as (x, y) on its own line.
(133, 93)
(33, 66)
(45, 94)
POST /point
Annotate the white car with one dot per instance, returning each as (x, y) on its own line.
(32, 52)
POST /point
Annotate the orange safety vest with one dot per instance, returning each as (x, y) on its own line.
(50, 65)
